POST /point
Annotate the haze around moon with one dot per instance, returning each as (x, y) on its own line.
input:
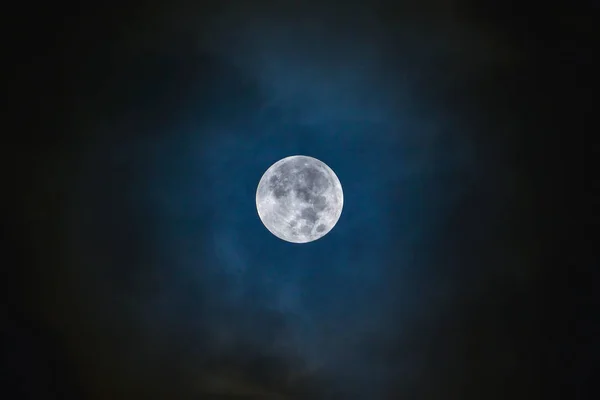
(299, 199)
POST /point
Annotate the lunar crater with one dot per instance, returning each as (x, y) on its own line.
(309, 214)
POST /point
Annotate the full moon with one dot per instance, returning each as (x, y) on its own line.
(299, 199)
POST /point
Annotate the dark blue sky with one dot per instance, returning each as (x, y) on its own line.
(152, 271)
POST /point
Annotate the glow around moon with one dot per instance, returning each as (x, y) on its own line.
(299, 199)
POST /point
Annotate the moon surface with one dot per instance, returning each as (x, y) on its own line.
(299, 199)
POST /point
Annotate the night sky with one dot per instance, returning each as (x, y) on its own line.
(136, 266)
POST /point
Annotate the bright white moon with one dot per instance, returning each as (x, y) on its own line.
(299, 199)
